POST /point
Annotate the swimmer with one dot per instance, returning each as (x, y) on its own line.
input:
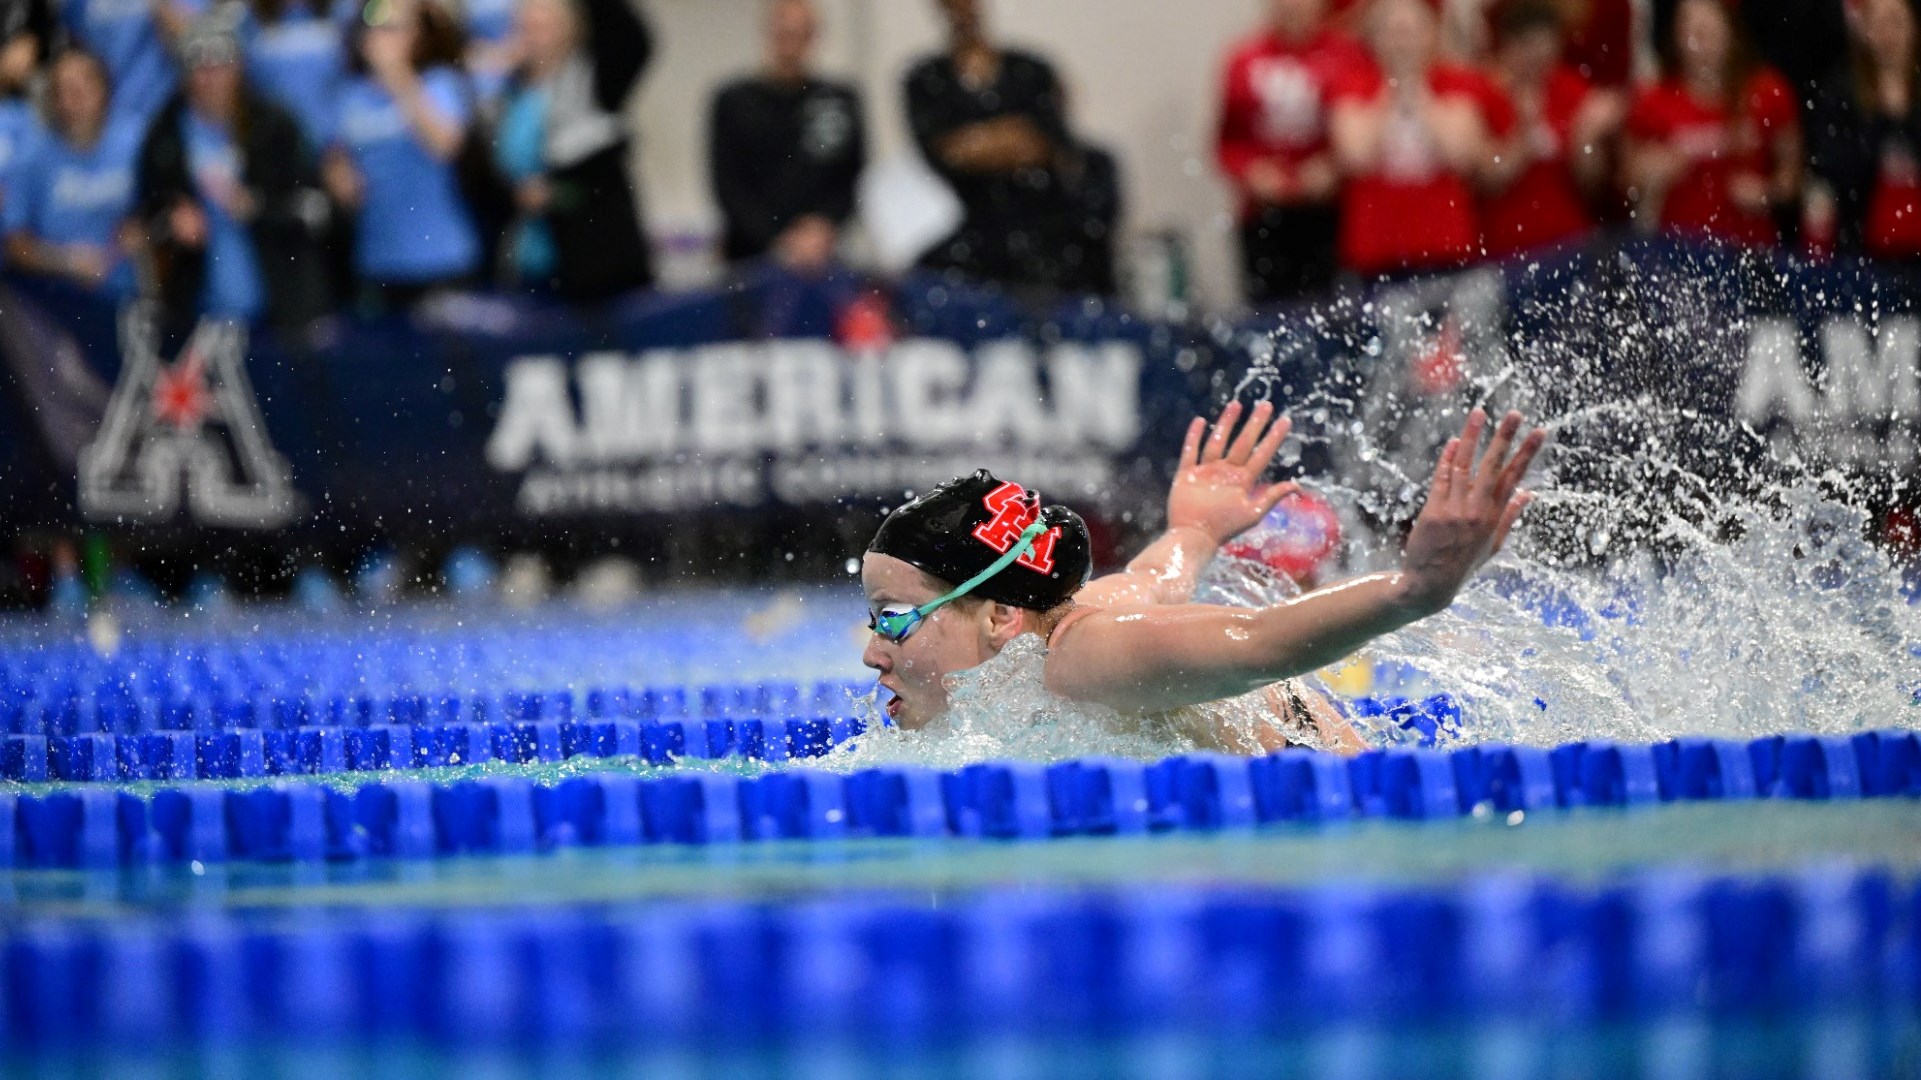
(955, 575)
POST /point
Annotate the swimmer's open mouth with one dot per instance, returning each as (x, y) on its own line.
(890, 701)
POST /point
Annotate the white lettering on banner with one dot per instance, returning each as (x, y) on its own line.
(725, 419)
(537, 418)
(671, 430)
(1774, 383)
(780, 397)
(930, 376)
(1872, 376)
(803, 395)
(1086, 408)
(1873, 380)
(817, 479)
(1869, 376)
(1007, 405)
(629, 410)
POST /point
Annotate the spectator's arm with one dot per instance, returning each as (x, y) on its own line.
(1597, 126)
(1649, 167)
(1649, 163)
(1460, 133)
(1784, 181)
(1003, 144)
(733, 170)
(1354, 130)
(1507, 159)
(1508, 153)
(954, 145)
(440, 131)
(86, 266)
(623, 46)
(28, 252)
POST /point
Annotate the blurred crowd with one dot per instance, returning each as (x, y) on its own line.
(274, 160)
(278, 160)
(1391, 137)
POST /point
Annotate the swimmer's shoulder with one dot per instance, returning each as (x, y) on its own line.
(1080, 611)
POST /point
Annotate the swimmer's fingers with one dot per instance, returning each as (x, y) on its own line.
(1468, 444)
(1443, 487)
(1251, 433)
(1515, 505)
(1487, 471)
(1191, 448)
(1272, 495)
(1461, 462)
(1223, 427)
(1270, 445)
(1516, 469)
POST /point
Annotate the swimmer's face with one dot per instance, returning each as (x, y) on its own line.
(954, 638)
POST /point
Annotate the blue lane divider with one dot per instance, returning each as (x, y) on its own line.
(104, 827)
(1652, 945)
(186, 755)
(87, 695)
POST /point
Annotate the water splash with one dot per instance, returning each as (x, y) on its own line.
(1002, 710)
(1679, 574)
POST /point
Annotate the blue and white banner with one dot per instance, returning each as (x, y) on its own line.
(779, 394)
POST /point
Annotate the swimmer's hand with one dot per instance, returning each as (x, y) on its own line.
(1217, 488)
(1470, 508)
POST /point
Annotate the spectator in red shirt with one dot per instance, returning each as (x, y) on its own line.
(1865, 142)
(1272, 144)
(1540, 184)
(1714, 148)
(1412, 135)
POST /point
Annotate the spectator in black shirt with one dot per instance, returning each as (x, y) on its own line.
(989, 121)
(1089, 182)
(786, 149)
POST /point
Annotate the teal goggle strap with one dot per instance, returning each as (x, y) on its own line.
(896, 627)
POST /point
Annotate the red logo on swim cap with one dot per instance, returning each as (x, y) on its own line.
(1014, 510)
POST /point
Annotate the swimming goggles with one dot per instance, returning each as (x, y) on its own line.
(895, 626)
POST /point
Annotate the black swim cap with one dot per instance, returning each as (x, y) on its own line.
(958, 529)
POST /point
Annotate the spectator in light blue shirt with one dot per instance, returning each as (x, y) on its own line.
(403, 122)
(73, 185)
(296, 53)
(25, 28)
(133, 38)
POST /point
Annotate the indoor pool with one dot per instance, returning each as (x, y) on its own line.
(676, 840)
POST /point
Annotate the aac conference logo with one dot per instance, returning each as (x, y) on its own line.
(185, 434)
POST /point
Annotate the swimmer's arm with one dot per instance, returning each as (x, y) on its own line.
(1153, 658)
(1165, 572)
(1217, 494)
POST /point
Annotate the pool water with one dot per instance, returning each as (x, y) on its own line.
(1837, 1044)
(1765, 937)
(1586, 845)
